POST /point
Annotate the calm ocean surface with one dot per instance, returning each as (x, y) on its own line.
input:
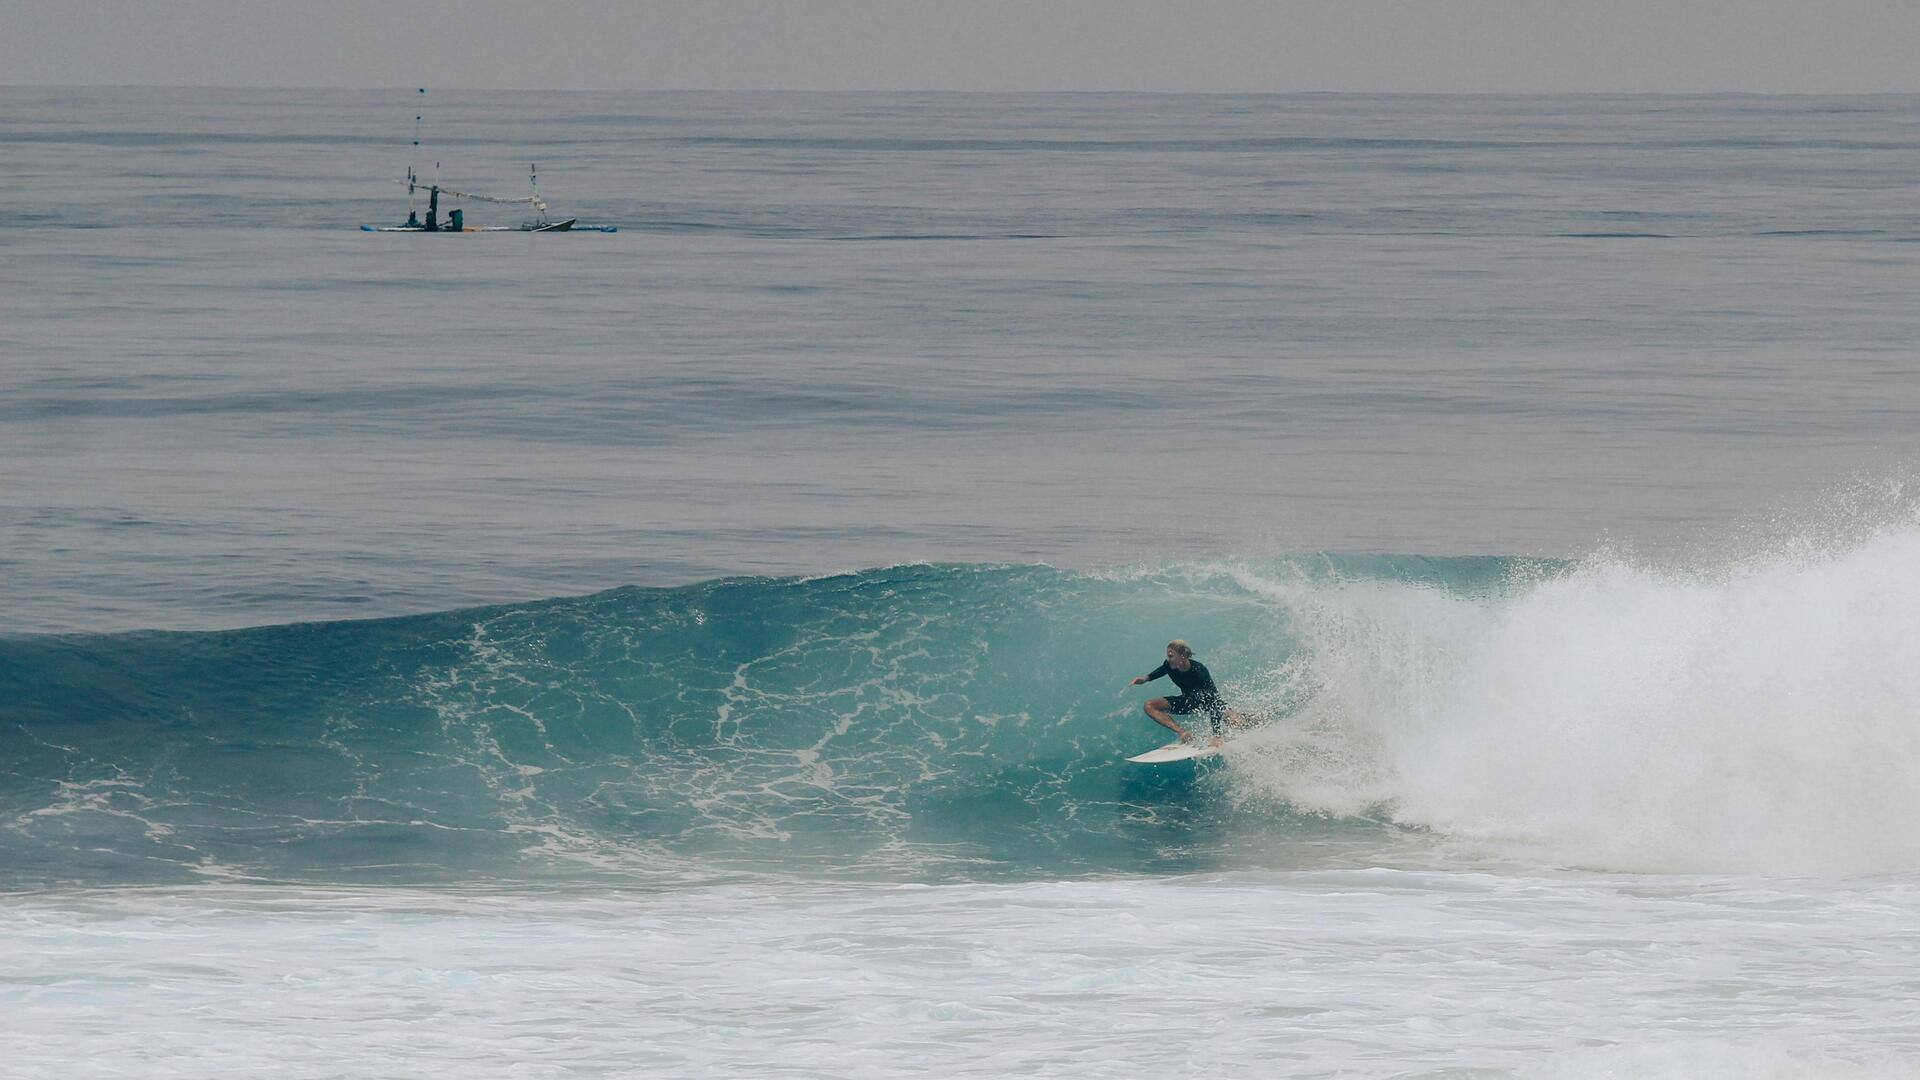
(700, 650)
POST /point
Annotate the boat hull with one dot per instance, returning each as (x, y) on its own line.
(558, 226)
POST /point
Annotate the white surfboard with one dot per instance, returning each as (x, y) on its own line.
(1176, 751)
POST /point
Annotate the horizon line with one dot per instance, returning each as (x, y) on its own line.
(976, 92)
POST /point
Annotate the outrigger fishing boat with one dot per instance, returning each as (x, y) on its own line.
(456, 219)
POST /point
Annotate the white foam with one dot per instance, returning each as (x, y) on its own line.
(1763, 717)
(1375, 973)
(1749, 1059)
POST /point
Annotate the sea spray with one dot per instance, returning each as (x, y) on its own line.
(1759, 717)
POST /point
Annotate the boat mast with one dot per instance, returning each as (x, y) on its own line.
(433, 197)
(533, 179)
(411, 177)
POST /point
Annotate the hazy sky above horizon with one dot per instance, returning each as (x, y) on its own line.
(1462, 46)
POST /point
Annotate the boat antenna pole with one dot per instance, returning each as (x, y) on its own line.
(433, 196)
(412, 179)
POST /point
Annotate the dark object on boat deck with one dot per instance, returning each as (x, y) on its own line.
(455, 221)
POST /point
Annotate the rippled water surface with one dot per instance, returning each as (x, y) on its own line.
(841, 331)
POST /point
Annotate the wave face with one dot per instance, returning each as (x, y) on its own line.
(967, 721)
(915, 721)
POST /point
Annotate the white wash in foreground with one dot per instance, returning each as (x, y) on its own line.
(1362, 973)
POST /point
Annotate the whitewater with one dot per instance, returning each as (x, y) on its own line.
(703, 650)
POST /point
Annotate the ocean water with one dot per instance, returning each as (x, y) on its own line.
(701, 650)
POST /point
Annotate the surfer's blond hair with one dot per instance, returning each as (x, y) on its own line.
(1180, 646)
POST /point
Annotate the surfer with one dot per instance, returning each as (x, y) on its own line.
(1197, 694)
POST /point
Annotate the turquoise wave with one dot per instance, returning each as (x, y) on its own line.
(911, 722)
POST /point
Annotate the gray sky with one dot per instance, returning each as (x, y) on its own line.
(1523, 46)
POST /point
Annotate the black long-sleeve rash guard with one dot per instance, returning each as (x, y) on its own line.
(1195, 680)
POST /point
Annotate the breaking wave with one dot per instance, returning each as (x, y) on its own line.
(926, 722)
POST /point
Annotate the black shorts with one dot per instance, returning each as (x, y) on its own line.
(1210, 704)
